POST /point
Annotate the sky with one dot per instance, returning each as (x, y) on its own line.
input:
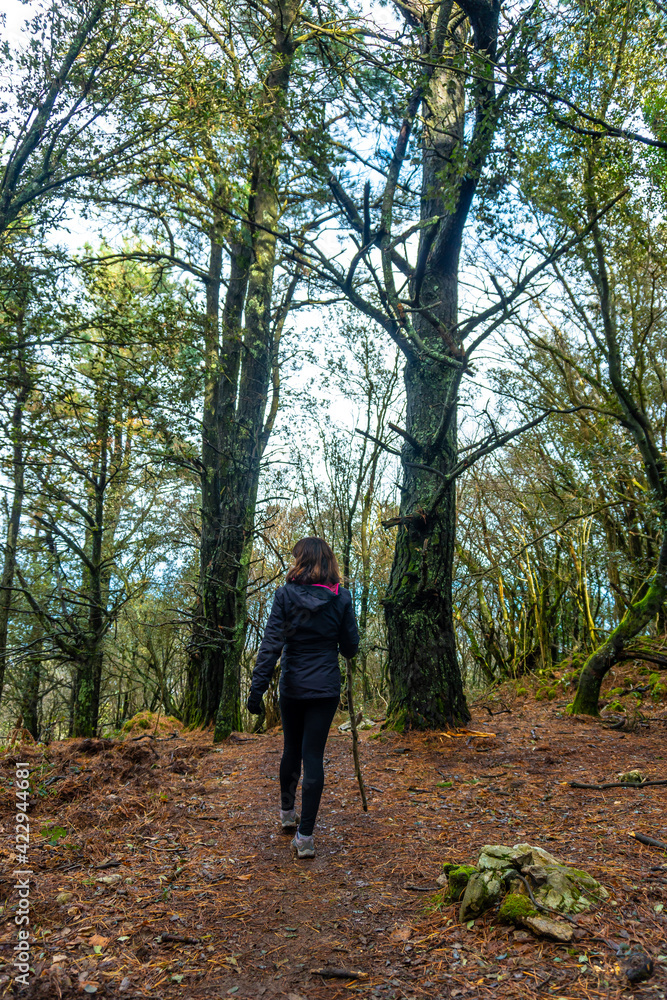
(304, 323)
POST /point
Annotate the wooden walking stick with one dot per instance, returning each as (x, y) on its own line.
(355, 743)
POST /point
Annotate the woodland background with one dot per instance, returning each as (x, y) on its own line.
(226, 230)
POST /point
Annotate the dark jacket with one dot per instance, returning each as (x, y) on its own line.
(308, 625)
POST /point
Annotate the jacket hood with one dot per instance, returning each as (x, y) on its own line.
(307, 595)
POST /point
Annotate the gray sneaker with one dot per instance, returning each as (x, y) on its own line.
(303, 847)
(289, 819)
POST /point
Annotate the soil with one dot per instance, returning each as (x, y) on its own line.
(202, 897)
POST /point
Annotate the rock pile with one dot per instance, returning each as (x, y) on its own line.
(504, 873)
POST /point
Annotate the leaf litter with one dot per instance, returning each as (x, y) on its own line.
(208, 901)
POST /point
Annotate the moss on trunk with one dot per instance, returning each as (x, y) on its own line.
(637, 616)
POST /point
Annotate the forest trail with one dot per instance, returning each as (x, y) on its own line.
(203, 899)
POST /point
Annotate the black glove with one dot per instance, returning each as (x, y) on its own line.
(254, 704)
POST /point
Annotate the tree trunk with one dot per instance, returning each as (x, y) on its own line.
(14, 523)
(204, 668)
(30, 695)
(426, 685)
(651, 594)
(235, 432)
(637, 616)
(426, 689)
(30, 701)
(88, 677)
(364, 602)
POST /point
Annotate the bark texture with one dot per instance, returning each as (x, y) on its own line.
(637, 617)
(426, 684)
(14, 522)
(88, 664)
(241, 369)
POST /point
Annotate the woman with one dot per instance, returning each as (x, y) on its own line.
(312, 618)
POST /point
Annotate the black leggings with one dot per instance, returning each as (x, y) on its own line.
(306, 723)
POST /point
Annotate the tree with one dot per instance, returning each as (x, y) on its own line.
(214, 200)
(87, 476)
(81, 66)
(450, 112)
(18, 382)
(606, 346)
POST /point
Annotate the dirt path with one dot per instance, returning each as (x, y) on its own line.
(203, 899)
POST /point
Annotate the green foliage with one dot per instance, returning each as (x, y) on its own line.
(436, 903)
(115, 356)
(658, 689)
(546, 693)
(53, 834)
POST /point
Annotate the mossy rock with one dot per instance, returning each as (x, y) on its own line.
(483, 891)
(560, 892)
(458, 878)
(500, 858)
(634, 777)
(565, 889)
(555, 885)
(588, 884)
(514, 906)
(517, 909)
(143, 721)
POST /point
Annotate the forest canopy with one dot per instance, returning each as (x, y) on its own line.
(389, 273)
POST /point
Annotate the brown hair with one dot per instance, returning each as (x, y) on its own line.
(314, 562)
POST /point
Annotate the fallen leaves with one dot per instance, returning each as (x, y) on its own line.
(403, 932)
(240, 891)
(97, 941)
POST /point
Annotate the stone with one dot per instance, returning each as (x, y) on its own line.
(536, 874)
(537, 854)
(514, 907)
(634, 777)
(519, 910)
(589, 884)
(442, 880)
(548, 927)
(568, 890)
(457, 879)
(363, 723)
(495, 857)
(64, 897)
(554, 885)
(483, 891)
(514, 885)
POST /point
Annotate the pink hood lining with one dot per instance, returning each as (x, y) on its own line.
(332, 587)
